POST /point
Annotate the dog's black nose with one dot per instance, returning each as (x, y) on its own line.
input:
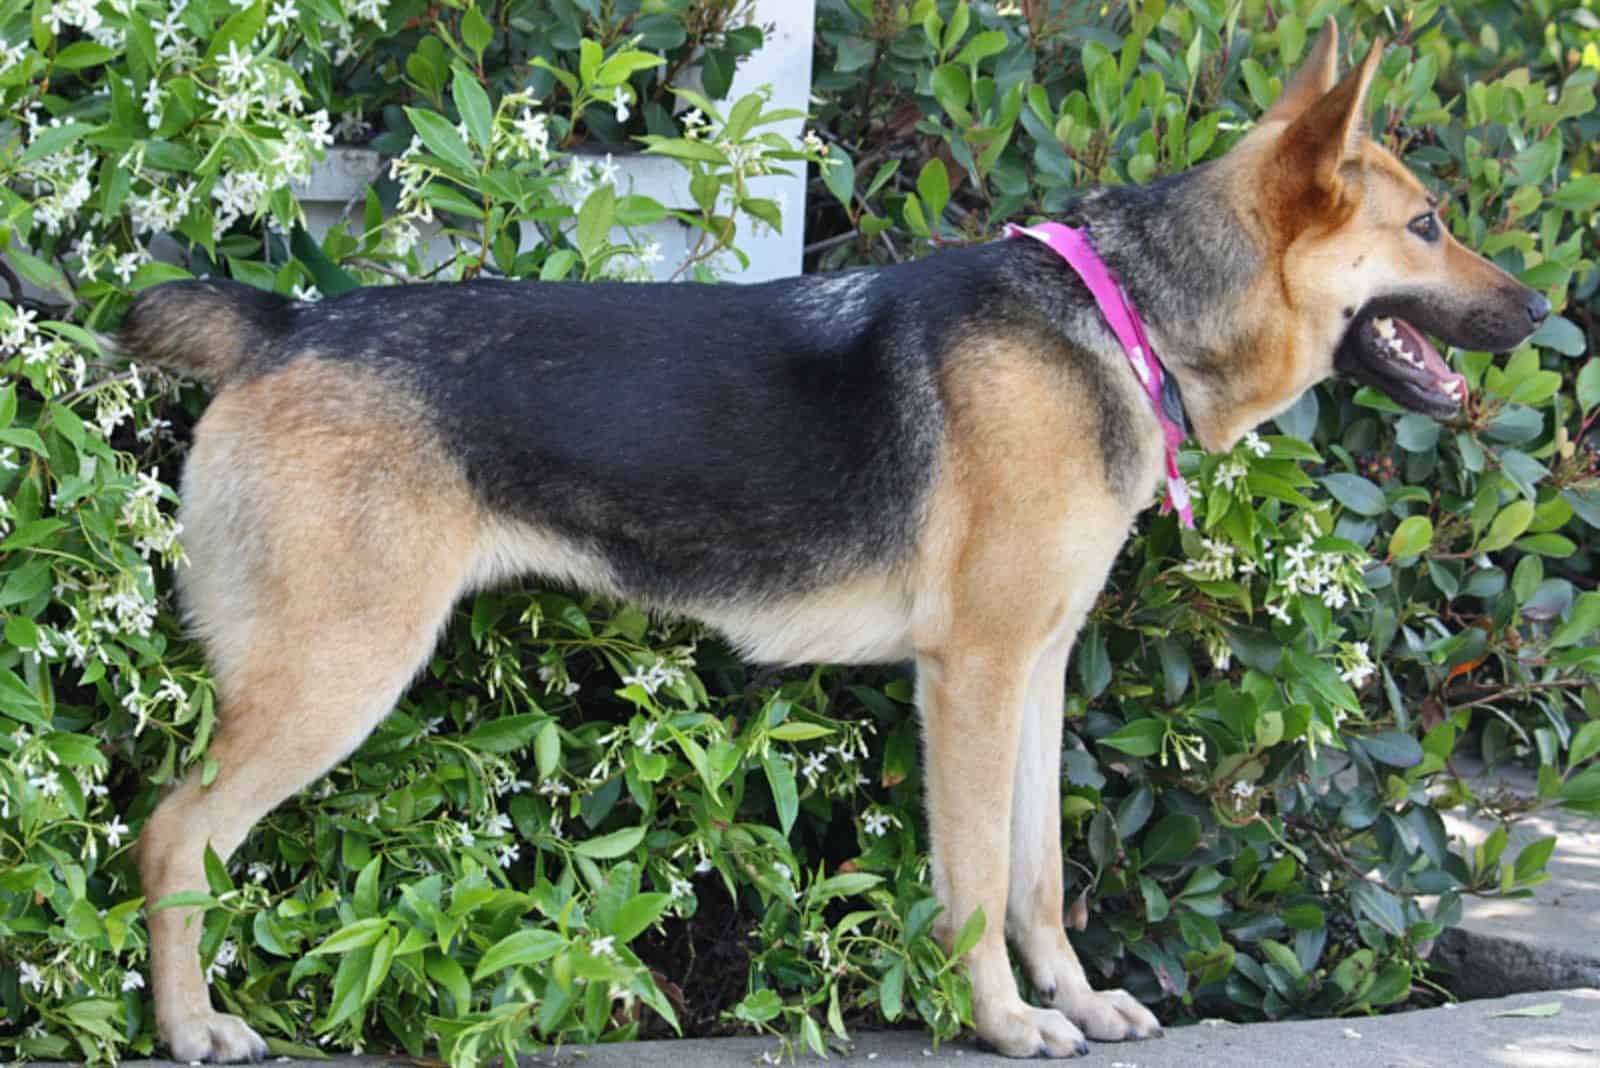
(1538, 306)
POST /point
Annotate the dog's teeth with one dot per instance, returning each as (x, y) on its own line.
(1385, 327)
(1452, 389)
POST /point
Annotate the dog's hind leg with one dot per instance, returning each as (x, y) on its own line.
(1034, 915)
(326, 553)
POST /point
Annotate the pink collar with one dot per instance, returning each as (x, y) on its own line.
(1124, 321)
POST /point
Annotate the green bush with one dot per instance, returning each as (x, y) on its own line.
(1264, 713)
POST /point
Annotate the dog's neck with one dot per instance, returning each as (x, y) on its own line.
(1186, 262)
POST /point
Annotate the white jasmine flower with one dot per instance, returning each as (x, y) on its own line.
(132, 980)
(236, 66)
(876, 823)
(282, 13)
(604, 947)
(227, 953)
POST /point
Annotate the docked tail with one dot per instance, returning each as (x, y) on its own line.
(209, 329)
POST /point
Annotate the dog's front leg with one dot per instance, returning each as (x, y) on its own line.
(1033, 915)
(971, 698)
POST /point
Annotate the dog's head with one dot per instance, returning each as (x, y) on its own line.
(1360, 263)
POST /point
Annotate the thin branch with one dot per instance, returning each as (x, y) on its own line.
(831, 242)
(368, 265)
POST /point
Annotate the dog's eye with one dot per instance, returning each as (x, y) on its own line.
(1425, 226)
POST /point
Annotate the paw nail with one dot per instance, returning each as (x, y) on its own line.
(1081, 1049)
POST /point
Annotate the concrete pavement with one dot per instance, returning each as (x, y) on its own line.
(1548, 941)
(1564, 1032)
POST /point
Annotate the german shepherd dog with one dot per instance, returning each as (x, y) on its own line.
(935, 461)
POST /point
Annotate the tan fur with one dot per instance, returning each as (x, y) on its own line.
(1013, 555)
(863, 620)
(347, 541)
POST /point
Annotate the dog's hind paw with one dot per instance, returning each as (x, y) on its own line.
(1108, 1015)
(214, 1037)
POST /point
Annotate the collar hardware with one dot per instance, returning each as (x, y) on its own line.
(1162, 389)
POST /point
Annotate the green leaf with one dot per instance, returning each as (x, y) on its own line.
(1507, 526)
(353, 936)
(839, 175)
(1323, 678)
(330, 278)
(611, 846)
(1141, 738)
(845, 884)
(1393, 748)
(933, 185)
(1589, 386)
(1533, 857)
(620, 67)
(981, 47)
(952, 87)
(1561, 334)
(473, 103)
(547, 749)
(1585, 743)
(448, 973)
(1360, 495)
(890, 990)
(240, 29)
(638, 210)
(1581, 623)
(53, 139)
(970, 933)
(38, 271)
(785, 795)
(595, 219)
(520, 947)
(506, 734)
(1171, 840)
(1412, 536)
(640, 912)
(476, 32)
(81, 54)
(442, 139)
(799, 731)
(1379, 906)
(683, 148)
(853, 54)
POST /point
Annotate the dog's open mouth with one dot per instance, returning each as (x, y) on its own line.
(1391, 355)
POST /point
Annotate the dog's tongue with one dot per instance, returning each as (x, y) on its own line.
(1447, 381)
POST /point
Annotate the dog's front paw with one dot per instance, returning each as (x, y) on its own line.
(214, 1037)
(1020, 1030)
(1108, 1015)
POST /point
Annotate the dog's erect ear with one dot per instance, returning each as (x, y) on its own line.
(1330, 132)
(1315, 77)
